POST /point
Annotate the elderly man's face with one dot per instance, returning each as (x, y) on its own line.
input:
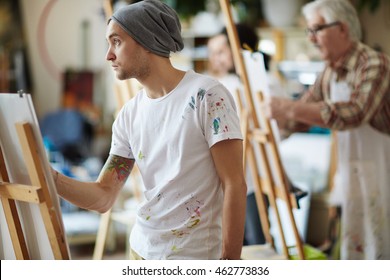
(330, 38)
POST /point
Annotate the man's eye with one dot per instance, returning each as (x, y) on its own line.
(116, 42)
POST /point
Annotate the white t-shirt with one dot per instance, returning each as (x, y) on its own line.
(170, 139)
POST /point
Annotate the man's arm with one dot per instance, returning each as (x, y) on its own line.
(228, 157)
(284, 110)
(100, 195)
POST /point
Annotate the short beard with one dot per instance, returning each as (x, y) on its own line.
(122, 76)
(140, 73)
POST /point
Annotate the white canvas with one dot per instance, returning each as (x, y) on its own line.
(15, 108)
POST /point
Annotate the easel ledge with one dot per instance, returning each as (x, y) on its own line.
(37, 193)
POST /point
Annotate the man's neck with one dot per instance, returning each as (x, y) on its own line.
(337, 61)
(161, 83)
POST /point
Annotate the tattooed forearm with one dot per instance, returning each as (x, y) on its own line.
(122, 166)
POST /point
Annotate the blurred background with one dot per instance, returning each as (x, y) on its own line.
(55, 50)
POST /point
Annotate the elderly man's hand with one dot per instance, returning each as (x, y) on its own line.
(278, 108)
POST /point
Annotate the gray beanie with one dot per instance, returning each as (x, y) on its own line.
(153, 24)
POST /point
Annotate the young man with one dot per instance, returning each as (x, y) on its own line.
(183, 132)
(352, 97)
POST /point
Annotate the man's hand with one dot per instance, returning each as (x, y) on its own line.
(278, 108)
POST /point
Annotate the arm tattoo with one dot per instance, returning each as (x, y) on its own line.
(122, 166)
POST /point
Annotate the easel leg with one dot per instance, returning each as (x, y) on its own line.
(105, 220)
(12, 217)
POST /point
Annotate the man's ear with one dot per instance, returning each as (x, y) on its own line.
(344, 28)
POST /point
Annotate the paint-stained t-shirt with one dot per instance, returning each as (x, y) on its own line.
(170, 139)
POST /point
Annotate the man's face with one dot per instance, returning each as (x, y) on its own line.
(128, 58)
(329, 38)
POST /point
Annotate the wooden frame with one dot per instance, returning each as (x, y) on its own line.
(31, 224)
(259, 135)
(36, 193)
(124, 91)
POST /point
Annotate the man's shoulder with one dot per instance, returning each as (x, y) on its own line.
(362, 57)
(366, 52)
(203, 80)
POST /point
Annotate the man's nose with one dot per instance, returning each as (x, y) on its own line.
(109, 55)
(312, 37)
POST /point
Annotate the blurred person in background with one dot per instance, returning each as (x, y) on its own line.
(221, 67)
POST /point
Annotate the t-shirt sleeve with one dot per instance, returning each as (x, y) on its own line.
(218, 114)
(120, 144)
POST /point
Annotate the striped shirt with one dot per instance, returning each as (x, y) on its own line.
(367, 73)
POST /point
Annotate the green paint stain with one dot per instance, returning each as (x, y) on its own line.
(201, 93)
(193, 223)
(216, 124)
(140, 155)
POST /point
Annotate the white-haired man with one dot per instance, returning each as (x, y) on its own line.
(351, 97)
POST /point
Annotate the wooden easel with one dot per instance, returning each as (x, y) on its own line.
(37, 193)
(124, 91)
(259, 134)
